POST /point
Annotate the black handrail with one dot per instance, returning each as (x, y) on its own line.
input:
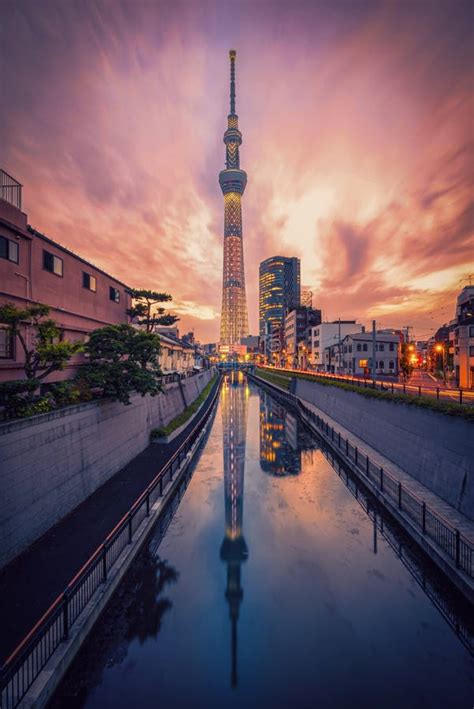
(25, 663)
(431, 524)
(463, 397)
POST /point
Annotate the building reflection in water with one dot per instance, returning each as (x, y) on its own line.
(234, 405)
(279, 451)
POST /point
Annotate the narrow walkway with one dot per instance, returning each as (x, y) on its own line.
(32, 581)
(450, 513)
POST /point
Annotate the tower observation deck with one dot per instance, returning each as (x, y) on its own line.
(234, 318)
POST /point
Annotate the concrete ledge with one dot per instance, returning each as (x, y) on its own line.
(48, 680)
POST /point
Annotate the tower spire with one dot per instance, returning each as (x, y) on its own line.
(232, 56)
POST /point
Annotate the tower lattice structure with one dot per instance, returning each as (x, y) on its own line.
(234, 318)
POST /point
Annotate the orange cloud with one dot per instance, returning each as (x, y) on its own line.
(355, 126)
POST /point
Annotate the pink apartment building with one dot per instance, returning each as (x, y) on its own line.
(36, 269)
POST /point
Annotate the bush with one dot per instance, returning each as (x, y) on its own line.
(40, 406)
(17, 396)
(122, 360)
(442, 406)
(65, 393)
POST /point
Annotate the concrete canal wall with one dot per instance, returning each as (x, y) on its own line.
(52, 462)
(436, 449)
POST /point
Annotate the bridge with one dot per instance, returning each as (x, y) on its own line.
(234, 365)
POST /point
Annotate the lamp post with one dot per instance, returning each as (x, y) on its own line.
(440, 348)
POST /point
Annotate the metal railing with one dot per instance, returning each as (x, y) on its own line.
(406, 553)
(10, 189)
(430, 523)
(453, 396)
(28, 659)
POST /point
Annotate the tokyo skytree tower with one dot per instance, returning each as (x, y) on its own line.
(234, 319)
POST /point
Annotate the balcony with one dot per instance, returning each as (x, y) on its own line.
(10, 189)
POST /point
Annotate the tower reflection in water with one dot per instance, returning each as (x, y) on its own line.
(279, 450)
(234, 404)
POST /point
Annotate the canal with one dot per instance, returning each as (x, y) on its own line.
(274, 581)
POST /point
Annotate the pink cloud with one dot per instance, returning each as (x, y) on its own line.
(354, 126)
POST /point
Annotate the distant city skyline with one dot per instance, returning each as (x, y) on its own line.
(357, 123)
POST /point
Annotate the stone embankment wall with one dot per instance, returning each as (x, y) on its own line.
(51, 463)
(436, 449)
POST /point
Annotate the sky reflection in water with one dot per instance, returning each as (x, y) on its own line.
(293, 599)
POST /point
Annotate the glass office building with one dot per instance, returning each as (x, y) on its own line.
(279, 291)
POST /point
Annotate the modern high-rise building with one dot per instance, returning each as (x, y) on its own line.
(234, 318)
(279, 291)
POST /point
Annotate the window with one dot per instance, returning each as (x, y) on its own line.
(364, 347)
(114, 294)
(8, 249)
(89, 282)
(350, 348)
(52, 263)
(471, 351)
(363, 363)
(391, 364)
(359, 347)
(391, 346)
(381, 364)
(381, 347)
(7, 349)
(471, 330)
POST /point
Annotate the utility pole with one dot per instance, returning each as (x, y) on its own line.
(374, 342)
(339, 343)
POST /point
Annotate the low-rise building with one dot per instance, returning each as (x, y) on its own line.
(36, 269)
(462, 337)
(354, 355)
(177, 356)
(297, 325)
(323, 336)
(252, 343)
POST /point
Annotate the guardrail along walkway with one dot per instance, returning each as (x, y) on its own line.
(32, 581)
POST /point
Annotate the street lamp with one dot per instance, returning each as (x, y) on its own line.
(441, 349)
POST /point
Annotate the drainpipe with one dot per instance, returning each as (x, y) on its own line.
(28, 298)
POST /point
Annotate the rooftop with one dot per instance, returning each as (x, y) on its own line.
(39, 234)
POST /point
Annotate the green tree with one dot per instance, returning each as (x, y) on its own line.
(406, 367)
(43, 352)
(122, 360)
(147, 312)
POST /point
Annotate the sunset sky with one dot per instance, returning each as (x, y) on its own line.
(356, 119)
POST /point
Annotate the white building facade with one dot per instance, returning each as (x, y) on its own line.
(176, 356)
(355, 354)
(323, 336)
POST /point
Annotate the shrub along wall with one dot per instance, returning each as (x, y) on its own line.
(52, 462)
(436, 449)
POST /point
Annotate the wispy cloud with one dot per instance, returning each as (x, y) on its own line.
(356, 126)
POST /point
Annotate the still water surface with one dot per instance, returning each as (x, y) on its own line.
(272, 586)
